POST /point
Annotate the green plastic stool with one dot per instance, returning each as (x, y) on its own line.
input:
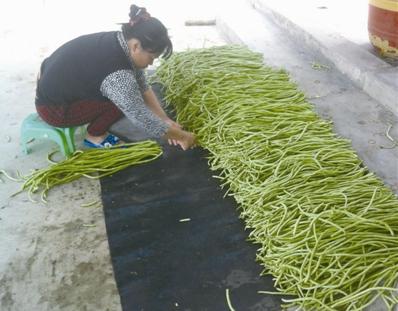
(33, 127)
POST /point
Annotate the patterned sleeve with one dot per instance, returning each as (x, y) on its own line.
(141, 80)
(122, 89)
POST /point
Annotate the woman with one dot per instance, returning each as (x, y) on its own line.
(98, 78)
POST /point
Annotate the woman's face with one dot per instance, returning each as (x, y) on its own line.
(141, 57)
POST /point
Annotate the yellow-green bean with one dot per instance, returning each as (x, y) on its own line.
(91, 163)
(326, 227)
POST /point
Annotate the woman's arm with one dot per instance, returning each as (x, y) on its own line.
(122, 89)
(175, 137)
(152, 102)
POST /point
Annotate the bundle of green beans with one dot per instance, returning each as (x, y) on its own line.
(326, 227)
(91, 163)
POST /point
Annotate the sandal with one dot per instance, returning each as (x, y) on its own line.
(109, 141)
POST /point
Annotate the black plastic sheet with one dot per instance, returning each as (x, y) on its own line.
(163, 263)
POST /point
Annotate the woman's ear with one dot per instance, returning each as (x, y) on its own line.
(134, 45)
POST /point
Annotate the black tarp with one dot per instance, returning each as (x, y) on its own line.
(161, 263)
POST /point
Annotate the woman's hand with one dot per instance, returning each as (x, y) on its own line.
(188, 142)
(175, 124)
(178, 137)
(172, 123)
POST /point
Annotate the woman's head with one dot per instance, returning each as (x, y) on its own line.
(147, 37)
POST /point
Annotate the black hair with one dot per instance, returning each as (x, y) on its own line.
(151, 33)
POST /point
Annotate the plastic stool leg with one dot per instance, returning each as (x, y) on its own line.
(24, 138)
(24, 146)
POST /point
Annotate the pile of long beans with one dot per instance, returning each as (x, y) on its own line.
(326, 227)
(91, 163)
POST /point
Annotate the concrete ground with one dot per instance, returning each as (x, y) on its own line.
(49, 258)
(56, 256)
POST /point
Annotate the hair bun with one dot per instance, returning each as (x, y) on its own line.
(133, 11)
(138, 13)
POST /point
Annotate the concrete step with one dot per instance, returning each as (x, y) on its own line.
(306, 24)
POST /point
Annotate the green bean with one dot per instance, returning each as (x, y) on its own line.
(324, 223)
(228, 300)
(9, 176)
(90, 204)
(92, 164)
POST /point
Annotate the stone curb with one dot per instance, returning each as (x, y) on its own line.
(376, 77)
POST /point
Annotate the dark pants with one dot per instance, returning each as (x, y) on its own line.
(99, 115)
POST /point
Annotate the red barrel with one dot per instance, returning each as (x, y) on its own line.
(383, 26)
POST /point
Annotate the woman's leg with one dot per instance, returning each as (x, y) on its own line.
(99, 116)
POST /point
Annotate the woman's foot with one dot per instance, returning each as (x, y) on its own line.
(104, 141)
(96, 139)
